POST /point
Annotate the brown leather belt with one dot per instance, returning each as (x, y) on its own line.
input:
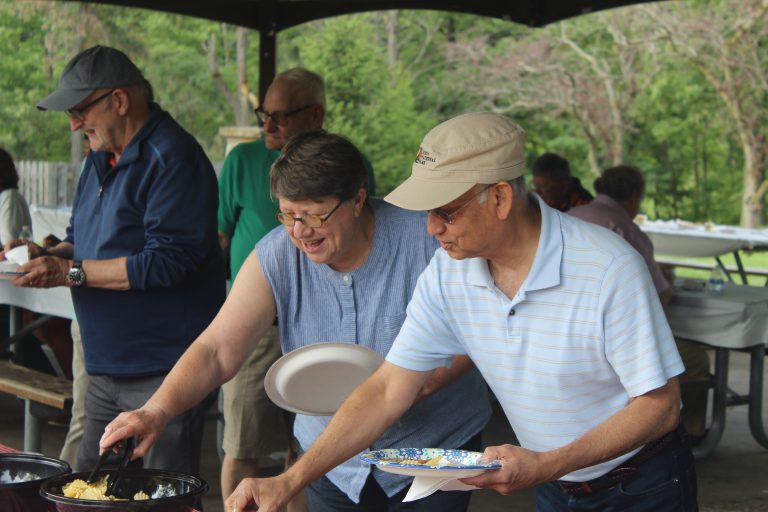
(624, 471)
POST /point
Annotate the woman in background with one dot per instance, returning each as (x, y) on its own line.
(14, 211)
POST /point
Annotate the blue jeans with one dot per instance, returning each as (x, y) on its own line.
(324, 496)
(664, 483)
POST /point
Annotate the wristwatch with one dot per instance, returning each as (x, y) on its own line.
(76, 274)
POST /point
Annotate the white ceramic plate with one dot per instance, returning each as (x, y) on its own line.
(463, 463)
(317, 378)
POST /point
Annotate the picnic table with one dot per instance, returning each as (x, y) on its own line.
(707, 239)
(735, 320)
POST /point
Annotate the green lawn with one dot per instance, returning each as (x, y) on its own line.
(750, 260)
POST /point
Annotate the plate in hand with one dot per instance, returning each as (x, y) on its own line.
(5, 274)
(430, 462)
(317, 378)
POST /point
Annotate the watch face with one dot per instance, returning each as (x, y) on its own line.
(76, 276)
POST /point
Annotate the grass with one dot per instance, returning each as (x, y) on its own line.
(750, 260)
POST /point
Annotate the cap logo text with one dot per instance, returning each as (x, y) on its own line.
(423, 157)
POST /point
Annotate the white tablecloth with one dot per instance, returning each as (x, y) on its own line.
(49, 221)
(681, 238)
(736, 319)
(49, 301)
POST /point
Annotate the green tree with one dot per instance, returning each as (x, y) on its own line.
(368, 102)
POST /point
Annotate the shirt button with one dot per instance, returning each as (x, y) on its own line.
(346, 278)
(512, 312)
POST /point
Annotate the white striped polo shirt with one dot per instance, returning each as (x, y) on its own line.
(584, 333)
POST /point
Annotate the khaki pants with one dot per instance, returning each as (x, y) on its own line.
(696, 361)
(80, 381)
(253, 425)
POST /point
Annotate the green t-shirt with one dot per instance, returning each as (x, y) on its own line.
(246, 208)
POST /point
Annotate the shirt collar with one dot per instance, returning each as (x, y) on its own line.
(545, 271)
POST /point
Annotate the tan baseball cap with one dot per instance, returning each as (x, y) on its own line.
(459, 153)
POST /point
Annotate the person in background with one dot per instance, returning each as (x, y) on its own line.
(620, 191)
(141, 255)
(554, 183)
(343, 268)
(14, 211)
(559, 315)
(254, 426)
(14, 215)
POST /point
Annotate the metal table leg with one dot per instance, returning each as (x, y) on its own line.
(740, 267)
(756, 358)
(33, 439)
(719, 392)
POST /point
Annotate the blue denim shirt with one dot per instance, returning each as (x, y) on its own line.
(367, 306)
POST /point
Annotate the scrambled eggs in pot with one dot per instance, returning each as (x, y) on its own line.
(96, 491)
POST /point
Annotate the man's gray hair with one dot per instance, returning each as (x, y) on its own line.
(519, 190)
(310, 82)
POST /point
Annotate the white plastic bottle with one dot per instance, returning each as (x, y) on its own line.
(716, 281)
(25, 233)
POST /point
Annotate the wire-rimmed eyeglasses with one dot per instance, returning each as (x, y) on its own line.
(450, 217)
(310, 221)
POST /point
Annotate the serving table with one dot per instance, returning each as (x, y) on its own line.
(49, 221)
(735, 320)
(699, 240)
(49, 302)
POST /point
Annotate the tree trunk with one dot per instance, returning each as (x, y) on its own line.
(78, 45)
(392, 23)
(752, 204)
(242, 113)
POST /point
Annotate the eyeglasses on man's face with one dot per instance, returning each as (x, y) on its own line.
(79, 113)
(450, 217)
(279, 117)
(310, 221)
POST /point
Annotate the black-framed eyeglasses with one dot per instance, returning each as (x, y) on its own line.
(279, 117)
(310, 221)
(79, 113)
(450, 217)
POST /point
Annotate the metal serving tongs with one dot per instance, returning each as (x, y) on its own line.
(125, 458)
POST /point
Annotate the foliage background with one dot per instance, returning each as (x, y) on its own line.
(391, 76)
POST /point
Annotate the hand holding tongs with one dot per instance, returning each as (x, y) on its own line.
(125, 458)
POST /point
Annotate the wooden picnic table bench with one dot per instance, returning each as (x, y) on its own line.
(44, 396)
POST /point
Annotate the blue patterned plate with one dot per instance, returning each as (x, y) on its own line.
(430, 462)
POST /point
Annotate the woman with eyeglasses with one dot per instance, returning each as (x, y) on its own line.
(342, 267)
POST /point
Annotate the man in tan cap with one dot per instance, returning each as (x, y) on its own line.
(560, 316)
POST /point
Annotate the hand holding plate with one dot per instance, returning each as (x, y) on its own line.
(520, 469)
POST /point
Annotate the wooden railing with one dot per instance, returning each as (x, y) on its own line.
(53, 183)
(47, 183)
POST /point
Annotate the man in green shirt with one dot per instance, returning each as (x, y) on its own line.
(294, 103)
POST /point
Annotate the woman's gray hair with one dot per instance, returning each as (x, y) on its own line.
(316, 165)
(309, 82)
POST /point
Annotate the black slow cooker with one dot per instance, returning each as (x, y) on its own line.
(21, 475)
(169, 492)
